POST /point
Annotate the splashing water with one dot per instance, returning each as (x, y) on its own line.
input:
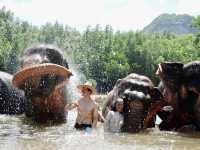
(77, 78)
(16, 133)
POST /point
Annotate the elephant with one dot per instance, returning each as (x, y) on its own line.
(12, 100)
(138, 93)
(179, 89)
(192, 85)
(43, 77)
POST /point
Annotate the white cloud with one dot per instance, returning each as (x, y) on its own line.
(162, 2)
(135, 15)
(120, 14)
(191, 7)
(41, 11)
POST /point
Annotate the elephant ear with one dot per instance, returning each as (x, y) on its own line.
(156, 95)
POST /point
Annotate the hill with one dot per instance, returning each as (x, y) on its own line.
(178, 24)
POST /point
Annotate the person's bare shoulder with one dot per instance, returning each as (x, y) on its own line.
(95, 104)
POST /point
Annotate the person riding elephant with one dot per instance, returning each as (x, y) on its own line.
(12, 100)
(43, 76)
(138, 94)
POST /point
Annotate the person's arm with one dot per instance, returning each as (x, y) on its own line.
(107, 121)
(100, 117)
(107, 103)
(71, 106)
(95, 116)
(121, 122)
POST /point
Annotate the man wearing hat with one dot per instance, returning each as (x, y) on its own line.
(87, 108)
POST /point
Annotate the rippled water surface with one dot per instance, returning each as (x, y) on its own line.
(16, 133)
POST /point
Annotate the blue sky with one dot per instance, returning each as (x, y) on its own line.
(120, 14)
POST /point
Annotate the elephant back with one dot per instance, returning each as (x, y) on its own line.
(11, 99)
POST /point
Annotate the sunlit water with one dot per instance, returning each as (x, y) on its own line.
(16, 133)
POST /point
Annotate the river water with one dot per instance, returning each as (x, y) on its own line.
(17, 133)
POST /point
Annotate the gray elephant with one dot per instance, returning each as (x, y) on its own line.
(191, 85)
(138, 94)
(43, 78)
(180, 86)
(12, 100)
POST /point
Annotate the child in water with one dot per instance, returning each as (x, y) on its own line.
(87, 108)
(114, 119)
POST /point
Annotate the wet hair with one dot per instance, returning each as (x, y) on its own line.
(89, 90)
(114, 105)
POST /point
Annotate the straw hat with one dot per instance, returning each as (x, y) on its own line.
(87, 85)
(38, 70)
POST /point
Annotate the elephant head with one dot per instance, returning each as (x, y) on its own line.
(43, 78)
(171, 75)
(180, 91)
(138, 93)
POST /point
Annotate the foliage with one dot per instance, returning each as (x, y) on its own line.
(196, 23)
(101, 54)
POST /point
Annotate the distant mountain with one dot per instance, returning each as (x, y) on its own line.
(179, 24)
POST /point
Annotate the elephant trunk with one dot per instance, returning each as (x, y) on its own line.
(133, 121)
(135, 110)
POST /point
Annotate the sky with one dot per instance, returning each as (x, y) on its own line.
(122, 15)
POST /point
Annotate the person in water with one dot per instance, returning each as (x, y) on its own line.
(87, 108)
(114, 119)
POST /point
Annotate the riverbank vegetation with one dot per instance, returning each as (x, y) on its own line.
(98, 52)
